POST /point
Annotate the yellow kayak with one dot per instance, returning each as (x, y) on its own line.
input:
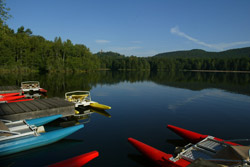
(100, 106)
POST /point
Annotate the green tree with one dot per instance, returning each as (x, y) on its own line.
(4, 12)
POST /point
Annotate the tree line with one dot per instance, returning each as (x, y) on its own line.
(21, 51)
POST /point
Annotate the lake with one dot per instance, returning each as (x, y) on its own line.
(143, 104)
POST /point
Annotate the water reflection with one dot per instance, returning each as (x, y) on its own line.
(57, 84)
(83, 117)
(205, 95)
(142, 104)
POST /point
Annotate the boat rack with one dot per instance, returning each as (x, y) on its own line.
(30, 86)
(12, 130)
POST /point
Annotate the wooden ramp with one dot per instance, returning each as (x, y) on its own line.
(36, 109)
(10, 89)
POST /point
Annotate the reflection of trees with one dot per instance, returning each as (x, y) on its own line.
(233, 82)
(58, 84)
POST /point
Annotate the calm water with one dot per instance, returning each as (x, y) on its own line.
(143, 104)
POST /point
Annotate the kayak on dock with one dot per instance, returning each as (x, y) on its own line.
(27, 134)
(13, 98)
(32, 86)
(77, 161)
(205, 149)
(6, 99)
(14, 101)
(83, 98)
(9, 94)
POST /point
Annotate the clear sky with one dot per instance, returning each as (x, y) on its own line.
(137, 27)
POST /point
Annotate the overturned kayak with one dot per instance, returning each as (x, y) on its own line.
(209, 148)
(24, 135)
(77, 161)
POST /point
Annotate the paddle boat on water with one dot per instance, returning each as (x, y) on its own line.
(83, 98)
(33, 86)
(27, 134)
(204, 149)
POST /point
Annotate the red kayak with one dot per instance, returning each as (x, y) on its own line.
(209, 148)
(193, 137)
(43, 90)
(9, 94)
(14, 101)
(77, 161)
(9, 98)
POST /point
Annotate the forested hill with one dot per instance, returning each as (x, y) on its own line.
(198, 53)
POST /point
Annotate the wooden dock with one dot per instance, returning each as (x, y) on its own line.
(10, 89)
(36, 109)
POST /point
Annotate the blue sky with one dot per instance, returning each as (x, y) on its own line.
(137, 27)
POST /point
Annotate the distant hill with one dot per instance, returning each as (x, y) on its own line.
(109, 55)
(198, 53)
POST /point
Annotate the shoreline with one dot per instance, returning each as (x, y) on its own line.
(226, 71)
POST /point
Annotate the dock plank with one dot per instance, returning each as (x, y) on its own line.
(39, 105)
(15, 107)
(50, 102)
(1, 111)
(61, 102)
(36, 109)
(23, 107)
(7, 110)
(43, 102)
(30, 106)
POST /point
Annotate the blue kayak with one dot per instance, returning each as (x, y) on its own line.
(27, 142)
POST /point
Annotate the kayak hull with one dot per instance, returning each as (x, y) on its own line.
(29, 142)
(77, 161)
(15, 101)
(43, 120)
(158, 157)
(193, 137)
(99, 106)
(9, 94)
(188, 135)
(9, 98)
